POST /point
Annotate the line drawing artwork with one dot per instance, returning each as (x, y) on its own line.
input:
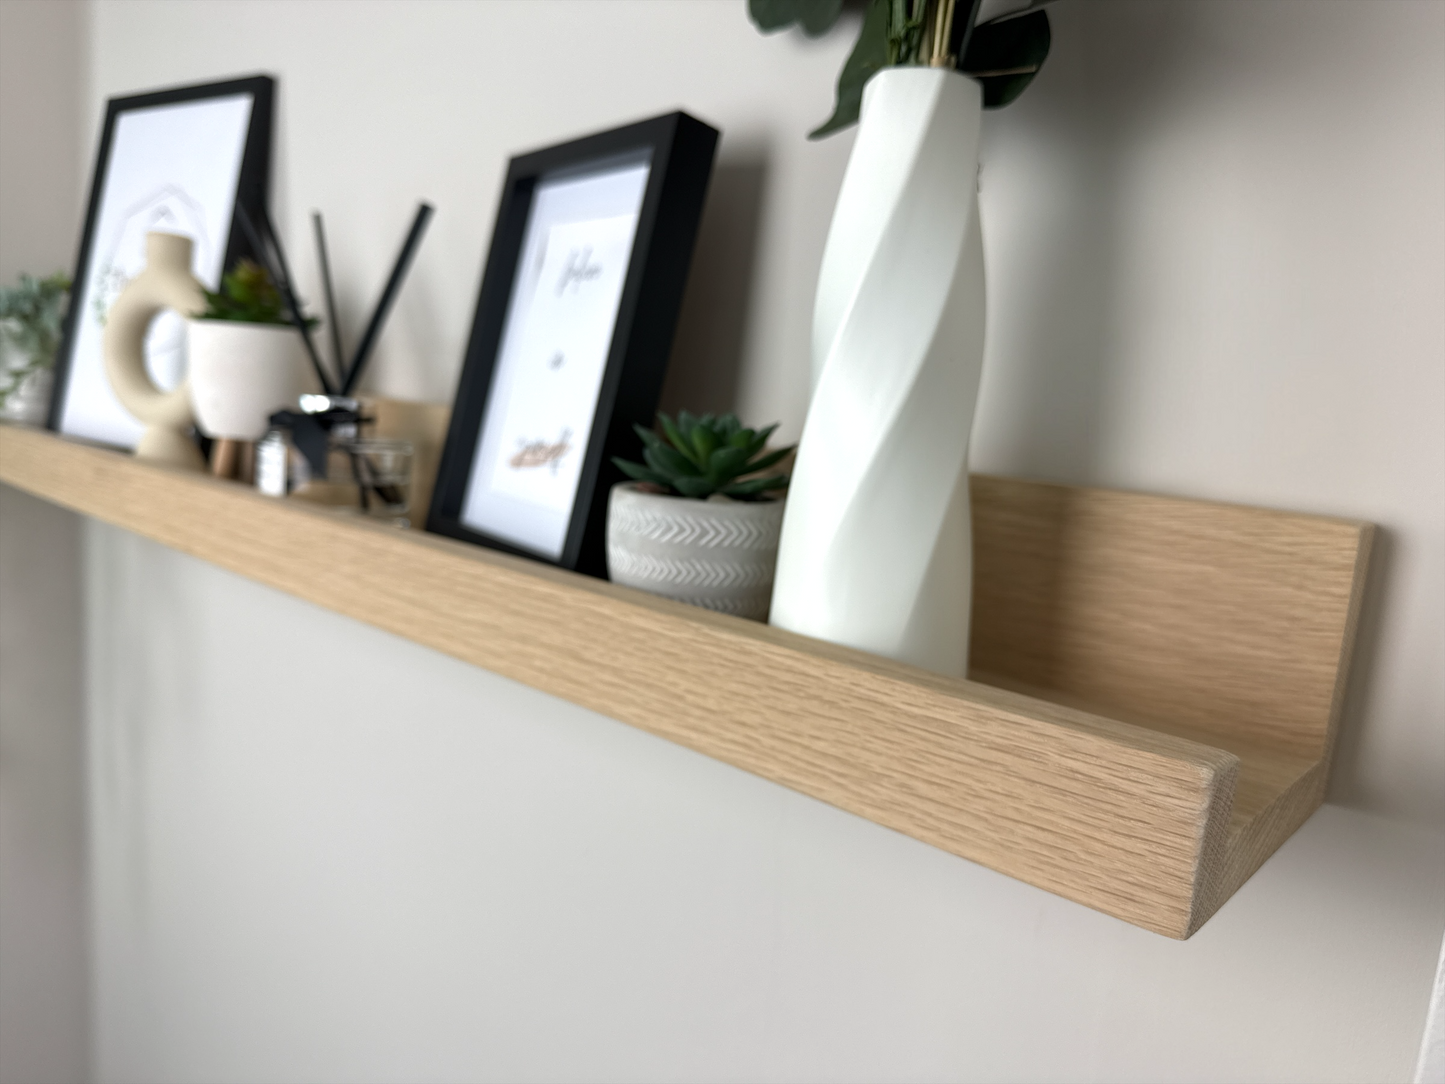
(170, 167)
(168, 209)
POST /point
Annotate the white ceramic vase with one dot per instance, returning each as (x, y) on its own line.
(240, 374)
(717, 553)
(876, 546)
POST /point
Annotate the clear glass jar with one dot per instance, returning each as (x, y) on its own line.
(380, 473)
(368, 476)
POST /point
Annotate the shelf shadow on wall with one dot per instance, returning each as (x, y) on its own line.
(708, 348)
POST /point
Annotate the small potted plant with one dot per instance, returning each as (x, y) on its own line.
(31, 313)
(700, 522)
(245, 358)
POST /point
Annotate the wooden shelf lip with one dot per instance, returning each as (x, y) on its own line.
(1150, 799)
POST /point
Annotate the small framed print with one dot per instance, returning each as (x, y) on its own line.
(571, 337)
(176, 161)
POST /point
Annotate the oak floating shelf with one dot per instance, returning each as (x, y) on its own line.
(1158, 680)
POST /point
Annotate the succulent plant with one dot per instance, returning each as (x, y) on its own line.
(699, 456)
(247, 295)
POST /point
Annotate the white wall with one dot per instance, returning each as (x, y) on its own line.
(1217, 260)
(42, 82)
(43, 980)
(382, 104)
(1217, 245)
(1214, 232)
(442, 875)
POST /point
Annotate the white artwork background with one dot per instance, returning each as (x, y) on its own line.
(174, 169)
(553, 355)
(560, 360)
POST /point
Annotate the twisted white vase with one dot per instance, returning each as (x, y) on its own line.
(876, 546)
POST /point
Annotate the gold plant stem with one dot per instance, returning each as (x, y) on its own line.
(943, 34)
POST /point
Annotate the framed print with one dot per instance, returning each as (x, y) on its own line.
(571, 337)
(177, 161)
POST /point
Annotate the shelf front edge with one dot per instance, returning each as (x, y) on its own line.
(1117, 817)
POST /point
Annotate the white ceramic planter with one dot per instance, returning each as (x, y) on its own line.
(29, 403)
(876, 549)
(240, 374)
(718, 553)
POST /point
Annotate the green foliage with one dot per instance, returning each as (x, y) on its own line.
(1003, 55)
(906, 20)
(869, 56)
(816, 17)
(31, 314)
(697, 457)
(247, 295)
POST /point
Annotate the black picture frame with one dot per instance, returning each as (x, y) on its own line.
(681, 150)
(252, 190)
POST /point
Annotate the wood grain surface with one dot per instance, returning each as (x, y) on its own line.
(1154, 809)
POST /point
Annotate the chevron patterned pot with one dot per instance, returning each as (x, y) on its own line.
(717, 553)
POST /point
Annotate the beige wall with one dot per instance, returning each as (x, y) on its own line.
(1217, 256)
(325, 853)
(43, 978)
(1215, 242)
(1216, 251)
(42, 82)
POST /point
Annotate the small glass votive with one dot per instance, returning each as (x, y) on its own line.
(379, 473)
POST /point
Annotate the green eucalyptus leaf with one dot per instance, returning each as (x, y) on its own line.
(816, 17)
(869, 56)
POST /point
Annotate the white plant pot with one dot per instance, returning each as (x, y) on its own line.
(876, 547)
(240, 374)
(717, 553)
(29, 403)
